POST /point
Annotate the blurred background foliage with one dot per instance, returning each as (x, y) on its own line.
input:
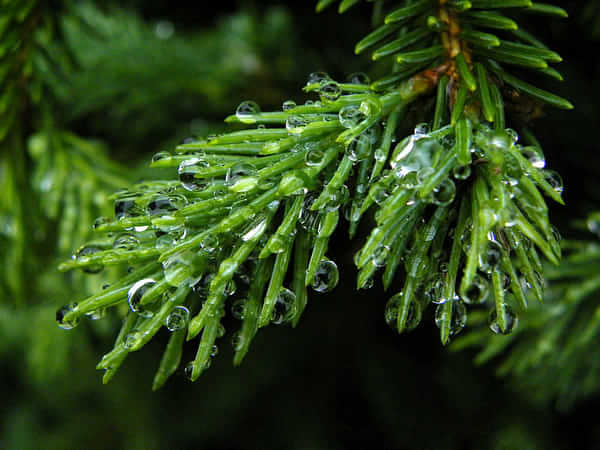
(110, 84)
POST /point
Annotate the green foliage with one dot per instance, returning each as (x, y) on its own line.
(230, 220)
(554, 348)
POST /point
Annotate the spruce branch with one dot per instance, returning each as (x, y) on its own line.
(458, 202)
(553, 349)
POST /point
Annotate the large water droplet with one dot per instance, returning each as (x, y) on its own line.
(288, 104)
(359, 149)
(83, 253)
(246, 110)
(62, 312)
(326, 277)
(350, 116)
(554, 180)
(535, 157)
(135, 294)
(131, 339)
(160, 156)
(239, 171)
(238, 309)
(187, 170)
(317, 78)
(478, 292)
(160, 205)
(358, 78)
(126, 241)
(314, 157)
(178, 319)
(444, 194)
(458, 316)
(296, 124)
(330, 91)
(490, 260)
(126, 207)
(285, 307)
(415, 312)
(380, 255)
(510, 318)
(434, 291)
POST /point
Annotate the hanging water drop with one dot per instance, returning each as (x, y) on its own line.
(380, 255)
(392, 309)
(535, 156)
(239, 171)
(326, 277)
(238, 309)
(62, 313)
(478, 292)
(554, 180)
(444, 194)
(457, 316)
(178, 319)
(510, 319)
(285, 307)
(131, 339)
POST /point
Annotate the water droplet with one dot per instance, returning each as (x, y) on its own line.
(309, 220)
(97, 314)
(444, 194)
(214, 351)
(314, 157)
(82, 255)
(237, 341)
(160, 205)
(288, 104)
(278, 243)
(126, 207)
(178, 319)
(189, 370)
(434, 291)
(179, 268)
(296, 124)
(326, 277)
(220, 331)
(380, 195)
(535, 156)
(380, 255)
(255, 229)
(238, 309)
(317, 78)
(131, 339)
(126, 241)
(359, 149)
(458, 316)
(62, 312)
(210, 243)
(490, 260)
(415, 312)
(510, 318)
(554, 180)
(330, 91)
(593, 223)
(164, 242)
(350, 116)
(160, 156)
(337, 199)
(100, 221)
(246, 110)
(499, 140)
(135, 294)
(478, 292)
(285, 307)
(239, 171)
(358, 78)
(187, 170)
(513, 135)
(462, 172)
